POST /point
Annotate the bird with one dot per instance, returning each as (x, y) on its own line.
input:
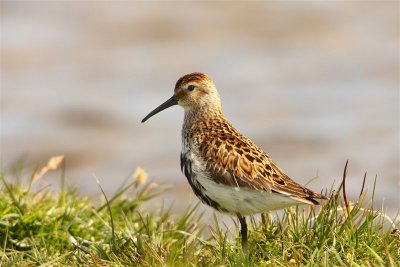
(225, 169)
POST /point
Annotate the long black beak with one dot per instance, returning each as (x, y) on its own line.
(170, 102)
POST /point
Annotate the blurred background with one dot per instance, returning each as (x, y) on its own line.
(312, 83)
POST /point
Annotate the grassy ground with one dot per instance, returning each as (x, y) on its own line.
(39, 226)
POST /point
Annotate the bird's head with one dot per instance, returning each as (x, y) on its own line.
(193, 91)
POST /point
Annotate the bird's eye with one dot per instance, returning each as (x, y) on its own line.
(191, 87)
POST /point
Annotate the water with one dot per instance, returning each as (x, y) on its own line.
(312, 83)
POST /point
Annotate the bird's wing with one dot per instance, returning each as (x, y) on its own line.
(236, 161)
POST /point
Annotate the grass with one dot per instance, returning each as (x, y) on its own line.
(39, 226)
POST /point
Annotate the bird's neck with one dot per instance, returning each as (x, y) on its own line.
(198, 120)
(195, 116)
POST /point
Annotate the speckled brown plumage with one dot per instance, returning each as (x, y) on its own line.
(225, 169)
(234, 160)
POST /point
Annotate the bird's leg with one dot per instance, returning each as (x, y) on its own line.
(263, 219)
(243, 232)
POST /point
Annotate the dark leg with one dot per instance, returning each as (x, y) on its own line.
(243, 232)
(263, 220)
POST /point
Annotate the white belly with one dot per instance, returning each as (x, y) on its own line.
(236, 200)
(243, 201)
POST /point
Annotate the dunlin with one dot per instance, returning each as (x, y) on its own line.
(225, 169)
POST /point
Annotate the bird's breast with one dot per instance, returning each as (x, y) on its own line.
(194, 171)
(225, 198)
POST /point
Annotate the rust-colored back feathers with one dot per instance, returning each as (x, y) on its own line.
(234, 160)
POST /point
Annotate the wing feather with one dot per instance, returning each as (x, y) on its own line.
(234, 160)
